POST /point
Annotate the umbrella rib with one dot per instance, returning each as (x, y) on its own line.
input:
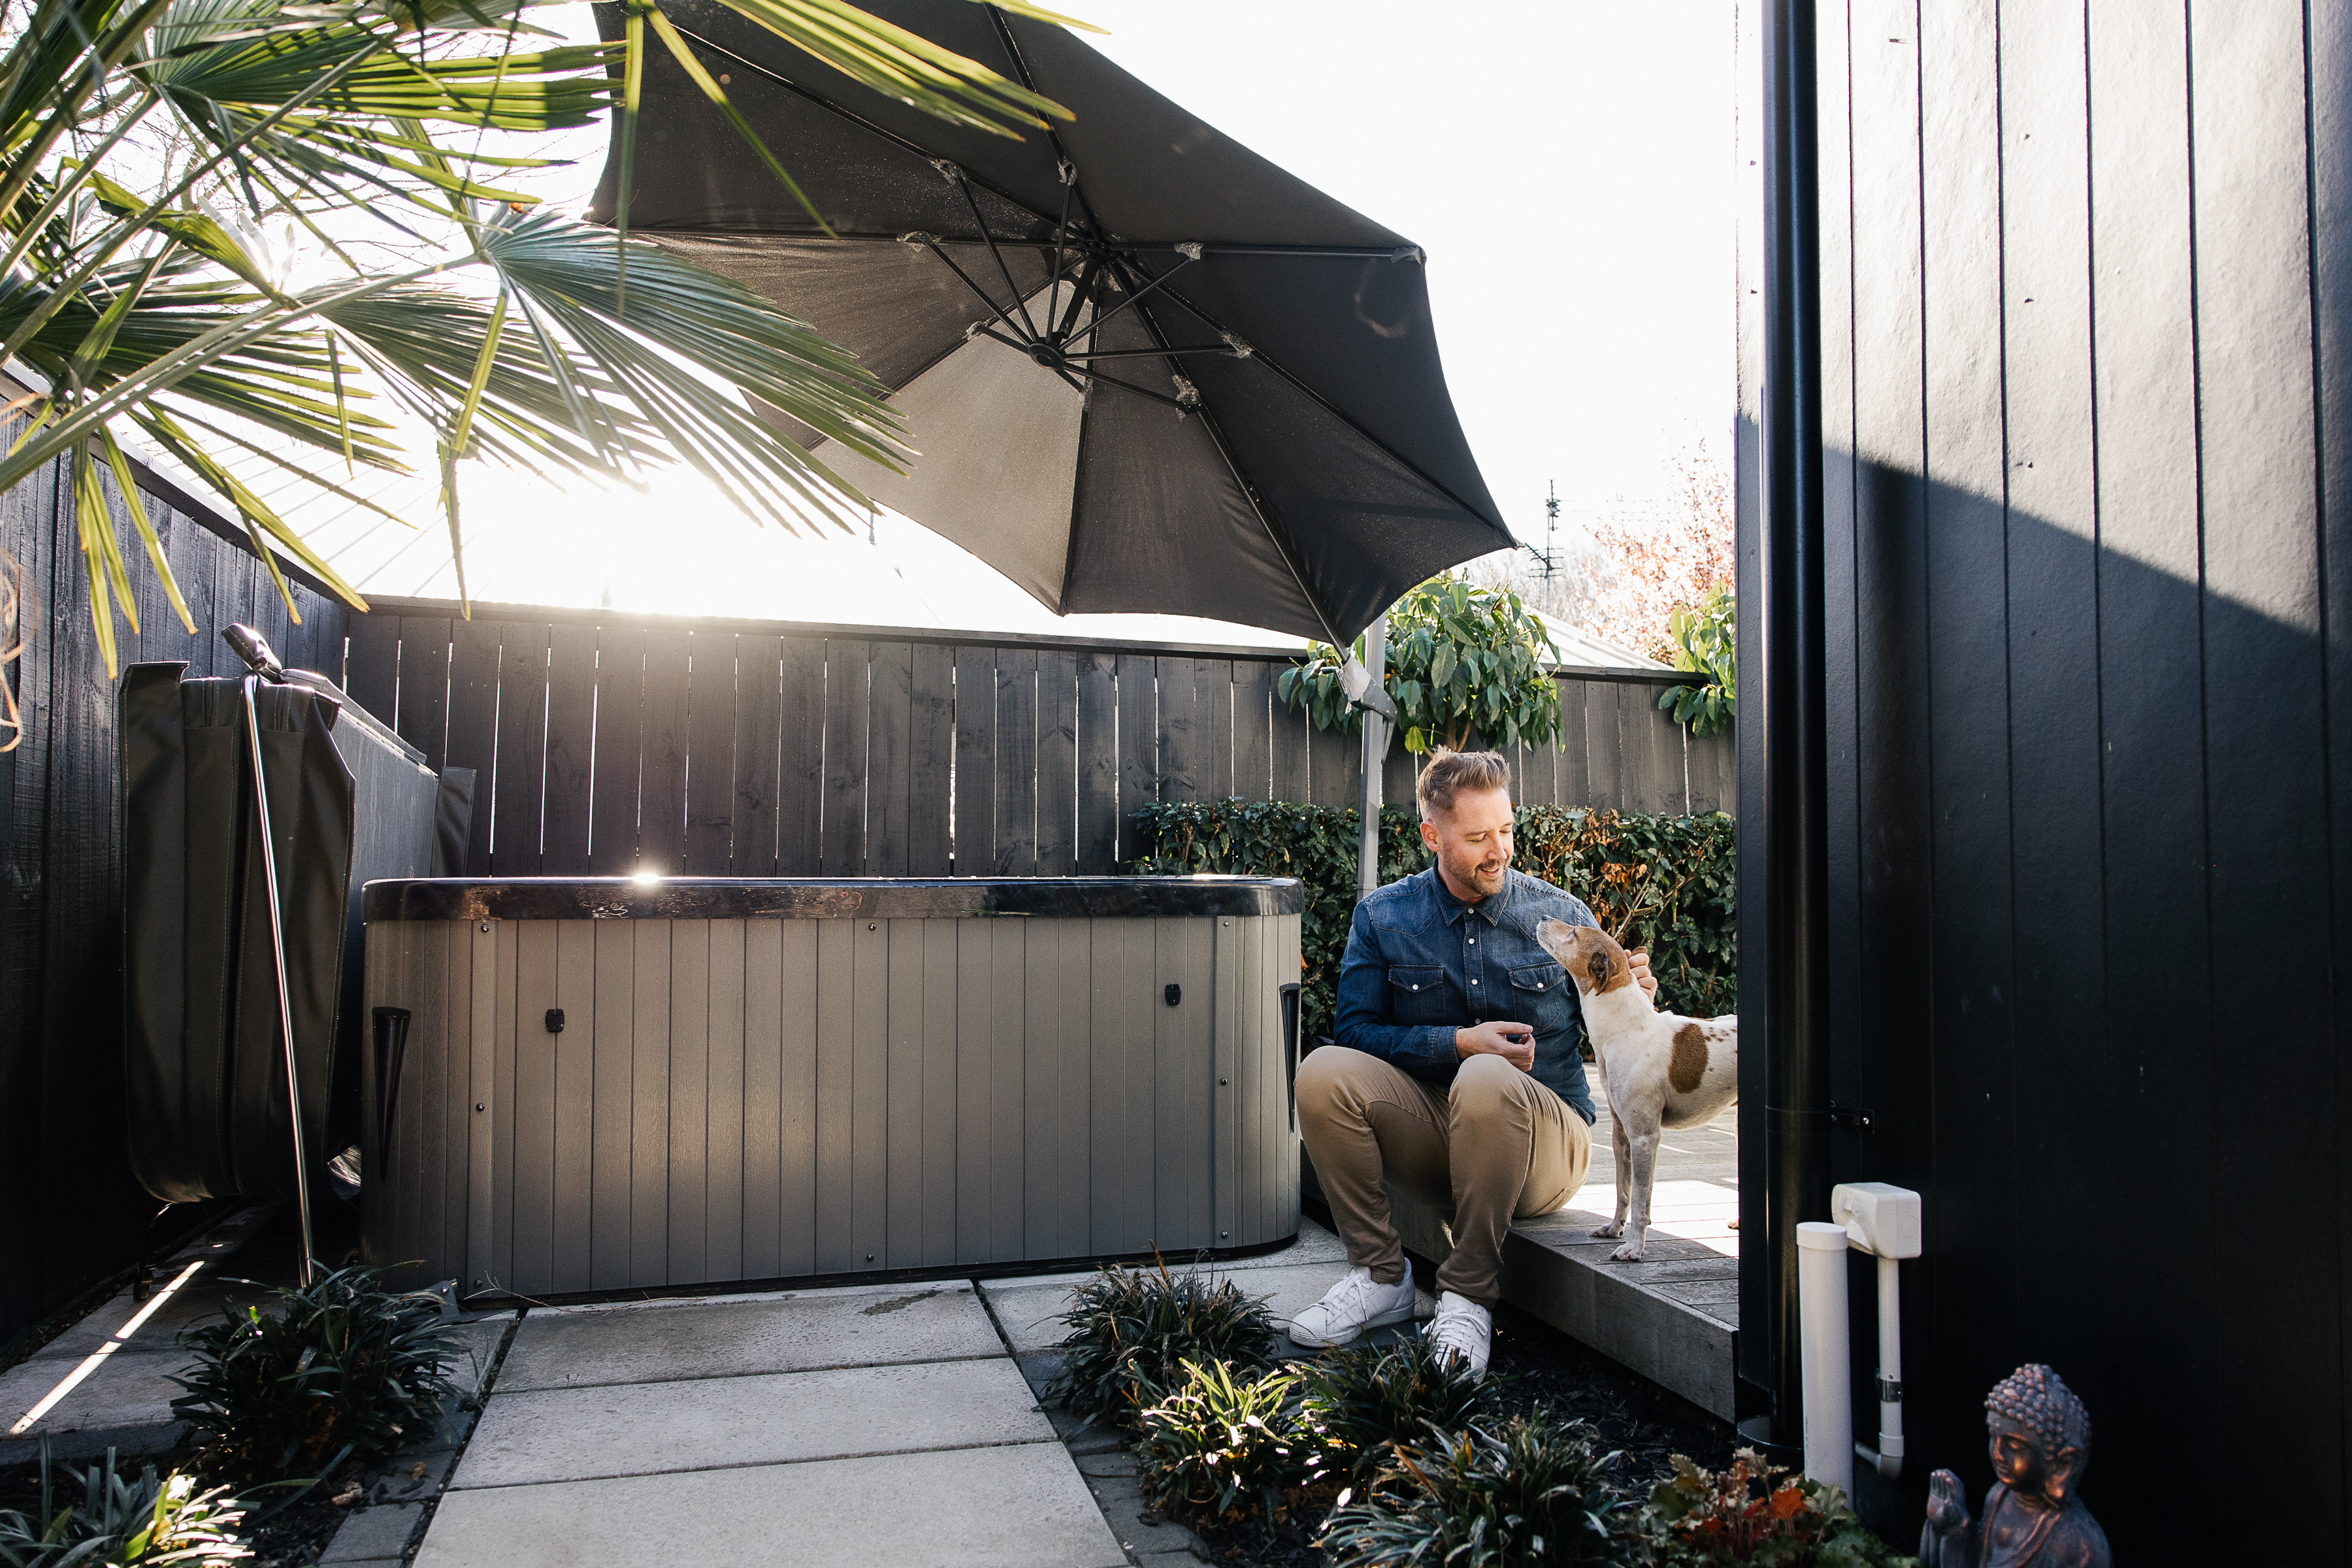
(1402, 461)
(1154, 354)
(936, 249)
(1001, 266)
(857, 119)
(1135, 296)
(1126, 386)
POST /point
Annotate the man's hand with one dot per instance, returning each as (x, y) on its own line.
(1639, 963)
(1514, 1043)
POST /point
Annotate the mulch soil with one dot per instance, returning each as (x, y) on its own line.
(1537, 1369)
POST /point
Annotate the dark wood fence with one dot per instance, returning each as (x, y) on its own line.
(607, 743)
(70, 1213)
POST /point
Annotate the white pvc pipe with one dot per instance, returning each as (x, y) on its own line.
(1887, 1457)
(1828, 1382)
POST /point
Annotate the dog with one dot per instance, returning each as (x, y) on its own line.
(1663, 1070)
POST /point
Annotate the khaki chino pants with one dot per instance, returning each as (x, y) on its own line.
(1495, 1145)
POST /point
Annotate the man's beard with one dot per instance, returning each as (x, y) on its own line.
(1485, 884)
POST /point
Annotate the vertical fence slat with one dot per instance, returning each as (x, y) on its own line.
(930, 759)
(975, 791)
(1216, 685)
(844, 832)
(522, 729)
(473, 726)
(1017, 761)
(424, 682)
(620, 698)
(1334, 761)
(1058, 762)
(1097, 763)
(711, 758)
(372, 674)
(661, 799)
(1183, 741)
(1139, 745)
(758, 713)
(799, 763)
(890, 781)
(1253, 703)
(1289, 741)
(570, 749)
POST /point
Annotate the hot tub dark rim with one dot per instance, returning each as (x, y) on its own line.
(826, 897)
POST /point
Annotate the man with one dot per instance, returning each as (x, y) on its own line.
(1457, 1068)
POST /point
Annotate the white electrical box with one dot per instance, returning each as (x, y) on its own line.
(1879, 1219)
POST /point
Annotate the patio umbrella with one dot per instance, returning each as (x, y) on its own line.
(1146, 369)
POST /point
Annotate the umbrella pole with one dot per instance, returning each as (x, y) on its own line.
(1376, 750)
(278, 953)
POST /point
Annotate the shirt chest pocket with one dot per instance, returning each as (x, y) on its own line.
(1540, 995)
(1420, 994)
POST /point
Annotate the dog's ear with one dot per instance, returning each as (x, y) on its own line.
(1597, 967)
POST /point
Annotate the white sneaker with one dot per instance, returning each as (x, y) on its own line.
(1356, 1303)
(1463, 1331)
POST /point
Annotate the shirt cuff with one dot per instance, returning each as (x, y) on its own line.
(1437, 1044)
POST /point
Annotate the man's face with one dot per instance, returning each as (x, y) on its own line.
(1472, 843)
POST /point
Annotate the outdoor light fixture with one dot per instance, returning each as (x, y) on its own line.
(647, 879)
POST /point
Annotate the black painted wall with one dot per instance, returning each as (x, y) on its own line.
(2087, 277)
(70, 1214)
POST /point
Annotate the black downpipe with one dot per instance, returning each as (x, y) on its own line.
(1790, 704)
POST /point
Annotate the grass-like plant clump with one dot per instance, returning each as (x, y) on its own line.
(125, 1520)
(1370, 1396)
(1752, 1512)
(1527, 1492)
(345, 1368)
(1223, 1449)
(1133, 1330)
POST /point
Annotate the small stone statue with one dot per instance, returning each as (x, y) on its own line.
(2040, 1446)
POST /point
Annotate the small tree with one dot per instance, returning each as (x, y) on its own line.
(1466, 669)
(1706, 643)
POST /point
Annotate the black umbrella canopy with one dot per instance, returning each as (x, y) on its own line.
(1147, 369)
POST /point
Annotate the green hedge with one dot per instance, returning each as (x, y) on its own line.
(1671, 875)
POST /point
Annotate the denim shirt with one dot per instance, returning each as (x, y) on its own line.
(1420, 963)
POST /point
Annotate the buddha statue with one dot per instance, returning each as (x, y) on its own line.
(2041, 1444)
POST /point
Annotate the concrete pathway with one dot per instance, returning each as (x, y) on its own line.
(878, 1425)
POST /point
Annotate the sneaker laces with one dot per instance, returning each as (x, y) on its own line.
(1457, 1332)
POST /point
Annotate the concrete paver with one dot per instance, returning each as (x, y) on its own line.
(783, 1331)
(1022, 1506)
(1030, 1310)
(642, 1428)
(378, 1533)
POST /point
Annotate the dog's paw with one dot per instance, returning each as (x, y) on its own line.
(1609, 1233)
(1628, 1253)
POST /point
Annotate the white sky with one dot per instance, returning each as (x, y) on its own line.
(1567, 166)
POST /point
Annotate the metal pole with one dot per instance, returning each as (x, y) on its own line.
(278, 953)
(1790, 712)
(1376, 751)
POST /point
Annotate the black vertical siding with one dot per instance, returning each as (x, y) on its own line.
(2084, 278)
(70, 1213)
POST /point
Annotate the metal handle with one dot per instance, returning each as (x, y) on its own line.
(278, 953)
(253, 648)
(1290, 1045)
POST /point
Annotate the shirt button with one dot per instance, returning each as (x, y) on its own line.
(1474, 982)
(1473, 941)
(1416, 988)
(1540, 984)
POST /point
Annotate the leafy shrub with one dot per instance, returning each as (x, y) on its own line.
(1466, 669)
(1530, 1492)
(345, 1368)
(118, 1521)
(1370, 1396)
(1221, 1449)
(1666, 883)
(1133, 1329)
(1751, 1513)
(1706, 642)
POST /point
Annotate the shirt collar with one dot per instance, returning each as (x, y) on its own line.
(1490, 909)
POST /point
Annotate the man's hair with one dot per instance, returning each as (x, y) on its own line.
(1450, 772)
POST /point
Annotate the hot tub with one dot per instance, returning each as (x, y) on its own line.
(579, 1086)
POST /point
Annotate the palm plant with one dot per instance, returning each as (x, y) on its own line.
(146, 146)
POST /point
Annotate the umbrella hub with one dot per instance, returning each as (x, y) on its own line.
(1047, 353)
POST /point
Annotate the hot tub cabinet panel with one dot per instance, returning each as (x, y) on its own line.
(604, 1086)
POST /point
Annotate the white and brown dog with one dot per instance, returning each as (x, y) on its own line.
(1662, 1070)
